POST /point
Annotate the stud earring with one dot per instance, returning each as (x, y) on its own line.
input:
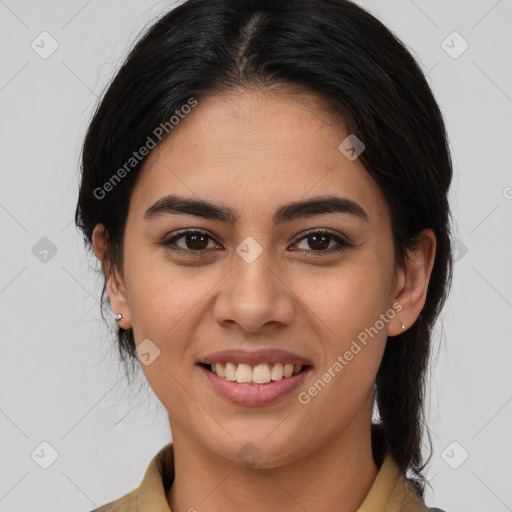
(118, 317)
(403, 326)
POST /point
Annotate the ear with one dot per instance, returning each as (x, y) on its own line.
(412, 283)
(115, 283)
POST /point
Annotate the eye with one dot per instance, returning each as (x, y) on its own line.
(319, 239)
(195, 242)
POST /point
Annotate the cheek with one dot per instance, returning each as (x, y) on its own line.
(162, 295)
(172, 389)
(348, 298)
(341, 389)
(348, 308)
(345, 379)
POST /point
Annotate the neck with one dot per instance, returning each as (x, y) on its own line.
(336, 476)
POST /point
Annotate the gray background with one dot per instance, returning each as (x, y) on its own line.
(60, 380)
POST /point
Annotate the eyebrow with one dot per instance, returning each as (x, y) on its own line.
(173, 204)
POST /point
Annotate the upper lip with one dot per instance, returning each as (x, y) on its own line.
(253, 357)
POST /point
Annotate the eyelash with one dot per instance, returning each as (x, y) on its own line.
(342, 244)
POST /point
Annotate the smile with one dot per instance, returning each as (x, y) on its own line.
(262, 373)
(248, 392)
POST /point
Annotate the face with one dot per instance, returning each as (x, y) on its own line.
(311, 281)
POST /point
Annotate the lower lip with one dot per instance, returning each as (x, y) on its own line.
(254, 394)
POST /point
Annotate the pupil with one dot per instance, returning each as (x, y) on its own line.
(323, 245)
(192, 239)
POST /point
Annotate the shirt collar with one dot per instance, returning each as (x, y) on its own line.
(390, 490)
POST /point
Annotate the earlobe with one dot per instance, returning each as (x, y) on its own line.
(115, 285)
(413, 282)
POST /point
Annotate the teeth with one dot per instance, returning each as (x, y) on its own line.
(258, 374)
(230, 372)
(219, 370)
(243, 373)
(261, 374)
(277, 371)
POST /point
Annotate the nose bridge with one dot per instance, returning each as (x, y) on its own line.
(253, 296)
(253, 278)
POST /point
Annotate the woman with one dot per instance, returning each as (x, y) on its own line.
(265, 184)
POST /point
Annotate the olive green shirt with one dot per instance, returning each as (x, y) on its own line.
(390, 492)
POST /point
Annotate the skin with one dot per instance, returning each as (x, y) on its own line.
(238, 150)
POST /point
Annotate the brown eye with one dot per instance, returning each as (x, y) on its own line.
(192, 241)
(320, 240)
(196, 241)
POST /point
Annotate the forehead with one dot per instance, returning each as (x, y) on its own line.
(255, 151)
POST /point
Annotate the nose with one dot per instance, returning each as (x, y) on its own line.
(255, 296)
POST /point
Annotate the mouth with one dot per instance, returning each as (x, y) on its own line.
(258, 375)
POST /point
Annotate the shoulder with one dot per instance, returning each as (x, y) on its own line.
(406, 498)
(151, 493)
(127, 503)
(414, 502)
